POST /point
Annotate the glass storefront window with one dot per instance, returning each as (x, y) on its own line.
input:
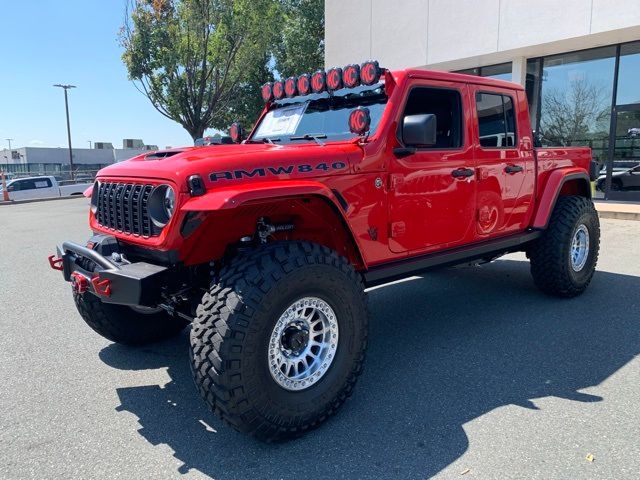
(501, 71)
(532, 87)
(629, 74)
(577, 89)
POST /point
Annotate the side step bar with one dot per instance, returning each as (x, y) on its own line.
(406, 268)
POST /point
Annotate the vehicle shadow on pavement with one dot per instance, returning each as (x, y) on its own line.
(443, 350)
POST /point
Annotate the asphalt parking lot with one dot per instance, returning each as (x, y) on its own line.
(470, 373)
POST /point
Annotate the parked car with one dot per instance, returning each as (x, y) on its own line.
(42, 187)
(628, 179)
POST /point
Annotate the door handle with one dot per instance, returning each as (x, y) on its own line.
(462, 173)
(513, 169)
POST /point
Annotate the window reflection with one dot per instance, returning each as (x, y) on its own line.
(576, 100)
(629, 74)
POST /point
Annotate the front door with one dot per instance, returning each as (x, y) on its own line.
(432, 191)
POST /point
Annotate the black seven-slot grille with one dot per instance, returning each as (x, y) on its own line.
(123, 207)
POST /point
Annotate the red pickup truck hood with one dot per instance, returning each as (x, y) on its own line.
(219, 165)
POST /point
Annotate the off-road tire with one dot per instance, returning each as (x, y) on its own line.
(122, 324)
(230, 338)
(550, 255)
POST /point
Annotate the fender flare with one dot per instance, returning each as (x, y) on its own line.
(552, 189)
(231, 197)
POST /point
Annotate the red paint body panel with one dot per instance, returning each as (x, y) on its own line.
(359, 197)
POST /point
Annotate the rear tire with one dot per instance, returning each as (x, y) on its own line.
(564, 259)
(238, 339)
(124, 325)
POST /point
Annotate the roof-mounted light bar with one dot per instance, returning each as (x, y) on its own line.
(351, 76)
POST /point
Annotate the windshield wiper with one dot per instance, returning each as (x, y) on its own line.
(311, 136)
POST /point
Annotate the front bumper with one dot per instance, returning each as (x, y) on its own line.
(88, 270)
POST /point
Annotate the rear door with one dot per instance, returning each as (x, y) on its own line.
(432, 191)
(503, 163)
(44, 188)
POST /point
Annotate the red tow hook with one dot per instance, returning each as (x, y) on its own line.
(55, 263)
(79, 282)
(101, 287)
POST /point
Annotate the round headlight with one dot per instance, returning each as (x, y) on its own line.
(161, 204)
(169, 201)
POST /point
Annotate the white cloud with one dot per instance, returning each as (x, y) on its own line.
(36, 143)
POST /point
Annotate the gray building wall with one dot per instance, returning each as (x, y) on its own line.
(460, 34)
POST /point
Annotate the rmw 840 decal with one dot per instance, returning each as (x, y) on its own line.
(281, 170)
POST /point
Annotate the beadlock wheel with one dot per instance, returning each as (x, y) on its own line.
(579, 248)
(279, 339)
(303, 344)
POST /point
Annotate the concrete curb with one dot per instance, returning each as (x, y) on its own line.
(619, 215)
(619, 211)
(34, 200)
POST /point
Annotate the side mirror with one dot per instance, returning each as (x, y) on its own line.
(419, 130)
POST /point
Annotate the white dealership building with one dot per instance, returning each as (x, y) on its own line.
(559, 50)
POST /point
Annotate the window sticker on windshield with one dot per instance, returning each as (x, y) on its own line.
(282, 121)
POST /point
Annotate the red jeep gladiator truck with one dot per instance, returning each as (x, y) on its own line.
(350, 178)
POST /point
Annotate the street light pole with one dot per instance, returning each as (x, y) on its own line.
(66, 106)
(9, 140)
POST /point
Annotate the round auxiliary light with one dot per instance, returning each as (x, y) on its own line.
(318, 81)
(161, 205)
(359, 120)
(236, 132)
(334, 79)
(304, 84)
(290, 87)
(267, 92)
(351, 76)
(278, 90)
(370, 73)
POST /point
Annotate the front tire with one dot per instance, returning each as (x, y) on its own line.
(124, 325)
(564, 259)
(260, 329)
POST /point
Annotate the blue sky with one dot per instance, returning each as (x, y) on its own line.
(72, 41)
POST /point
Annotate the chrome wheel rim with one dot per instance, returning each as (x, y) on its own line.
(303, 344)
(580, 248)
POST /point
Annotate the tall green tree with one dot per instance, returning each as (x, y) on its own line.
(194, 59)
(301, 45)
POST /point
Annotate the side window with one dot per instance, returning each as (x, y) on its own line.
(44, 183)
(496, 120)
(446, 106)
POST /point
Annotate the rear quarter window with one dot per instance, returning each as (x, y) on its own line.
(496, 120)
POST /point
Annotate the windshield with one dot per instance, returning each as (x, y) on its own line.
(320, 115)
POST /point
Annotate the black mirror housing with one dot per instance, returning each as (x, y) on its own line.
(419, 130)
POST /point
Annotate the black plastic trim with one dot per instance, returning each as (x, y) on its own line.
(341, 199)
(571, 176)
(405, 268)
